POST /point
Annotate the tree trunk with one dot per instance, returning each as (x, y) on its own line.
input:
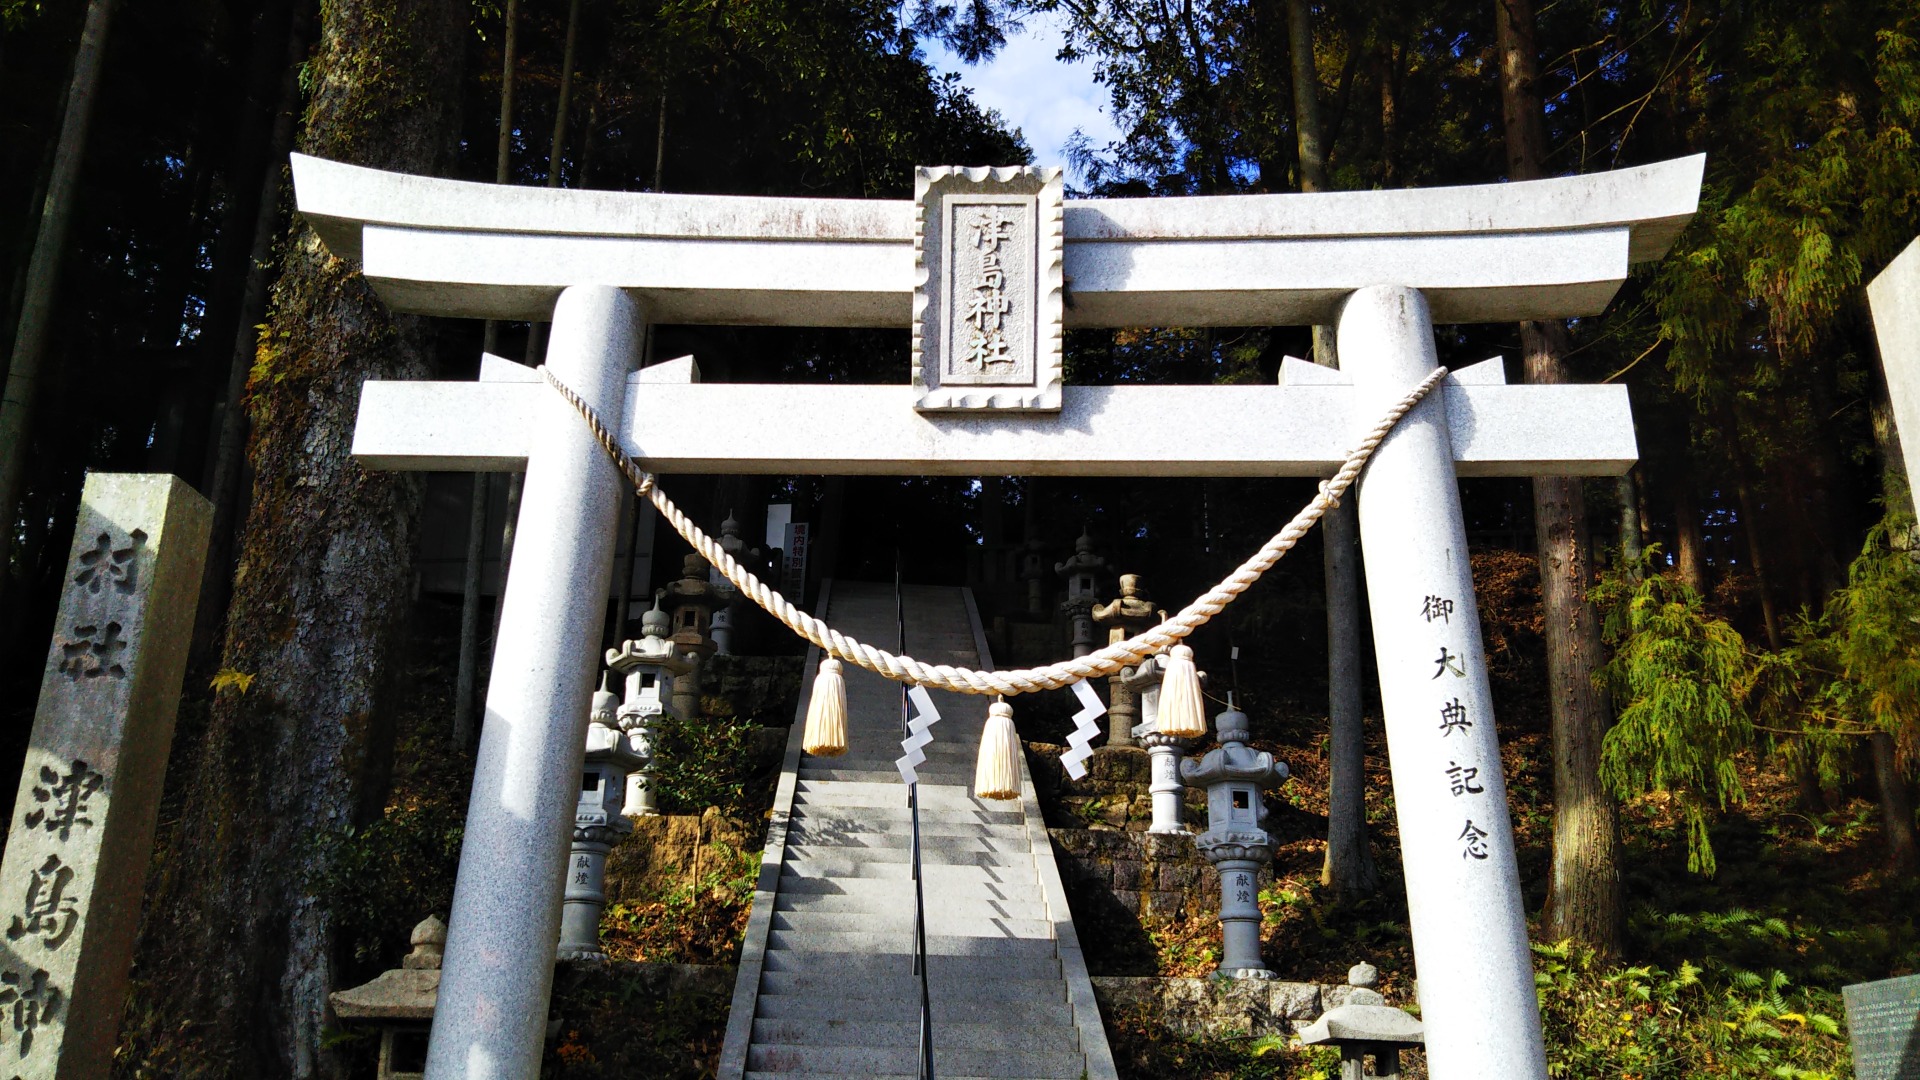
(240, 922)
(34, 329)
(1896, 811)
(1631, 547)
(1349, 868)
(1690, 550)
(1583, 887)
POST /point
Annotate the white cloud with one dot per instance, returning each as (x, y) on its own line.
(1034, 91)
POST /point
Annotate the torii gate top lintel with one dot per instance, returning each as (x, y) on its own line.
(1555, 248)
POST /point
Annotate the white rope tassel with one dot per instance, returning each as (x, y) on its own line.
(1183, 712)
(826, 731)
(997, 775)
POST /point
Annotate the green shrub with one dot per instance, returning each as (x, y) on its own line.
(700, 763)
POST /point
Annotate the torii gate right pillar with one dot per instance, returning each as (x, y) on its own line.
(1456, 838)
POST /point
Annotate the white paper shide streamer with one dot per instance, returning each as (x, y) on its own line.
(1080, 741)
(924, 717)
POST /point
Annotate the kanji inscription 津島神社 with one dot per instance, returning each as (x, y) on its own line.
(988, 305)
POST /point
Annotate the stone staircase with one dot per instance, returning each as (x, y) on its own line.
(826, 983)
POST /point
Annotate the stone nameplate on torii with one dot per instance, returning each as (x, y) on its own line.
(1384, 266)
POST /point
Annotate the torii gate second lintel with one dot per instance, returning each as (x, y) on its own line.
(600, 264)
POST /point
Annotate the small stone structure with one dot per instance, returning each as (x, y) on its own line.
(1366, 1025)
(1083, 571)
(597, 825)
(1235, 842)
(651, 666)
(694, 600)
(400, 1002)
(1128, 614)
(722, 629)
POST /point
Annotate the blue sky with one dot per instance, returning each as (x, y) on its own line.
(1035, 92)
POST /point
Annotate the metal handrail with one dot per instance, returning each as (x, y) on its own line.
(919, 893)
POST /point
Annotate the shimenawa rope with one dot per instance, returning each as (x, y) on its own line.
(1105, 661)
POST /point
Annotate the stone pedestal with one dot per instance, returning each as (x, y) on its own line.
(498, 976)
(1456, 841)
(82, 828)
(598, 824)
(1168, 793)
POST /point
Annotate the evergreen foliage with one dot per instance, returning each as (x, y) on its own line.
(1683, 679)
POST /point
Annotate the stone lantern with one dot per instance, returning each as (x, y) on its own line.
(1142, 685)
(1365, 1025)
(1236, 842)
(597, 825)
(722, 629)
(693, 600)
(649, 665)
(400, 1003)
(1083, 571)
(1033, 570)
(1126, 616)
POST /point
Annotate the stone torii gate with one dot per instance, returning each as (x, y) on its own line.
(987, 267)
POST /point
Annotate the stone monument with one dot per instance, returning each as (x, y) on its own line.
(1384, 266)
(1883, 1026)
(1236, 840)
(1127, 615)
(83, 821)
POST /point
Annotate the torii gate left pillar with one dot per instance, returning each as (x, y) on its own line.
(1543, 249)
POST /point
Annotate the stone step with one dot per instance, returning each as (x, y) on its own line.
(947, 925)
(949, 1008)
(876, 1061)
(930, 775)
(937, 944)
(876, 814)
(883, 963)
(825, 859)
(811, 1031)
(808, 793)
(826, 824)
(940, 905)
(905, 986)
(806, 834)
(961, 884)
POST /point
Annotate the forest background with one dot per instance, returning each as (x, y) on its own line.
(1753, 608)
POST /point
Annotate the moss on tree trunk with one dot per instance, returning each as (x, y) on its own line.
(236, 954)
